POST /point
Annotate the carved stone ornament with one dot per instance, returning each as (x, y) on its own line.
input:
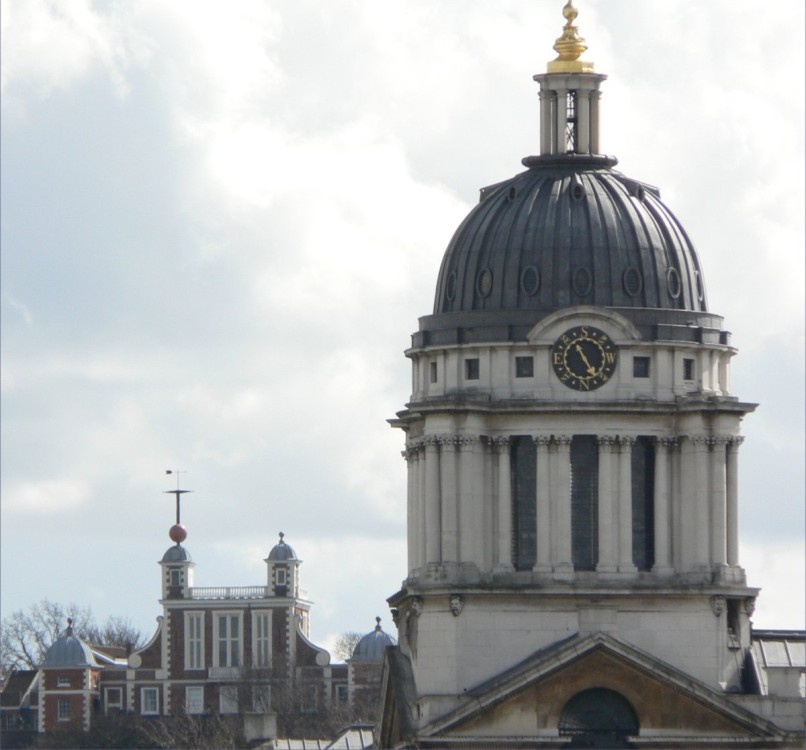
(750, 606)
(396, 616)
(457, 604)
(416, 606)
(717, 605)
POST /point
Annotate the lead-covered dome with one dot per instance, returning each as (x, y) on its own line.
(372, 646)
(569, 231)
(69, 651)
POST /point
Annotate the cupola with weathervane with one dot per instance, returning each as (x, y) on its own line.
(177, 564)
(283, 569)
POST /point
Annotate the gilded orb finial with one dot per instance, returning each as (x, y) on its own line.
(569, 46)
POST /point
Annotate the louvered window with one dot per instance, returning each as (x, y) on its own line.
(524, 485)
(584, 502)
(643, 503)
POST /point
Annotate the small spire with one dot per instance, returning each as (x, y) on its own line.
(281, 538)
(69, 630)
(378, 625)
(569, 46)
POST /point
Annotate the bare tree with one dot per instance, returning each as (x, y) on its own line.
(346, 643)
(28, 634)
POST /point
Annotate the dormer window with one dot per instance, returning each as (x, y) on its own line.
(176, 577)
(280, 577)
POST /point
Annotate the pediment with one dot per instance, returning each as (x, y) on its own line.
(527, 701)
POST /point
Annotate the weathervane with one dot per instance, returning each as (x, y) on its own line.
(178, 532)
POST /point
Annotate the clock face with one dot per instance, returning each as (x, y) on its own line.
(584, 358)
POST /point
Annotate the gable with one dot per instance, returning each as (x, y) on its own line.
(528, 701)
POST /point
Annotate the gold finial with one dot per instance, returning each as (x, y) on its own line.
(569, 46)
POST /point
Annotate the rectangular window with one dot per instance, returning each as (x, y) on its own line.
(524, 367)
(149, 701)
(433, 372)
(310, 699)
(472, 369)
(643, 503)
(640, 367)
(63, 682)
(194, 640)
(584, 502)
(228, 699)
(229, 640)
(261, 699)
(64, 709)
(688, 369)
(113, 700)
(524, 508)
(261, 630)
(342, 694)
(194, 700)
(176, 578)
(279, 574)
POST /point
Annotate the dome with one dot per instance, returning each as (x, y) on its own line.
(569, 231)
(176, 554)
(373, 645)
(282, 551)
(69, 651)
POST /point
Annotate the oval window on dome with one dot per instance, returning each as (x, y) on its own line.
(700, 287)
(450, 287)
(673, 283)
(581, 281)
(633, 281)
(484, 282)
(530, 281)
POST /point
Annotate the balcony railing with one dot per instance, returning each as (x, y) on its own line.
(230, 592)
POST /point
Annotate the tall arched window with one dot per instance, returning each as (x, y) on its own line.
(599, 718)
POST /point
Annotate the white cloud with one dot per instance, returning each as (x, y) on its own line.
(47, 496)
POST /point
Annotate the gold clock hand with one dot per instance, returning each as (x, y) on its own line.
(591, 369)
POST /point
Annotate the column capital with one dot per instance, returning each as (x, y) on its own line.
(431, 441)
(500, 442)
(735, 442)
(606, 441)
(700, 440)
(666, 442)
(562, 441)
(448, 441)
(626, 441)
(714, 440)
(542, 441)
(466, 442)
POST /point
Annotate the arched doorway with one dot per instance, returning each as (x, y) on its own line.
(599, 718)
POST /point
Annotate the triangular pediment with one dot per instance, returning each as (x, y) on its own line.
(525, 704)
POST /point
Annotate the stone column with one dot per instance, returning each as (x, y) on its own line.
(561, 491)
(582, 146)
(560, 115)
(504, 540)
(594, 121)
(662, 520)
(410, 454)
(625, 562)
(546, 98)
(433, 525)
(471, 521)
(422, 555)
(607, 516)
(701, 515)
(732, 500)
(450, 498)
(543, 513)
(718, 500)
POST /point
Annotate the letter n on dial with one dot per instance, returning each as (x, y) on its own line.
(584, 358)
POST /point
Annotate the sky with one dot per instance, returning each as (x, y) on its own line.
(221, 221)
